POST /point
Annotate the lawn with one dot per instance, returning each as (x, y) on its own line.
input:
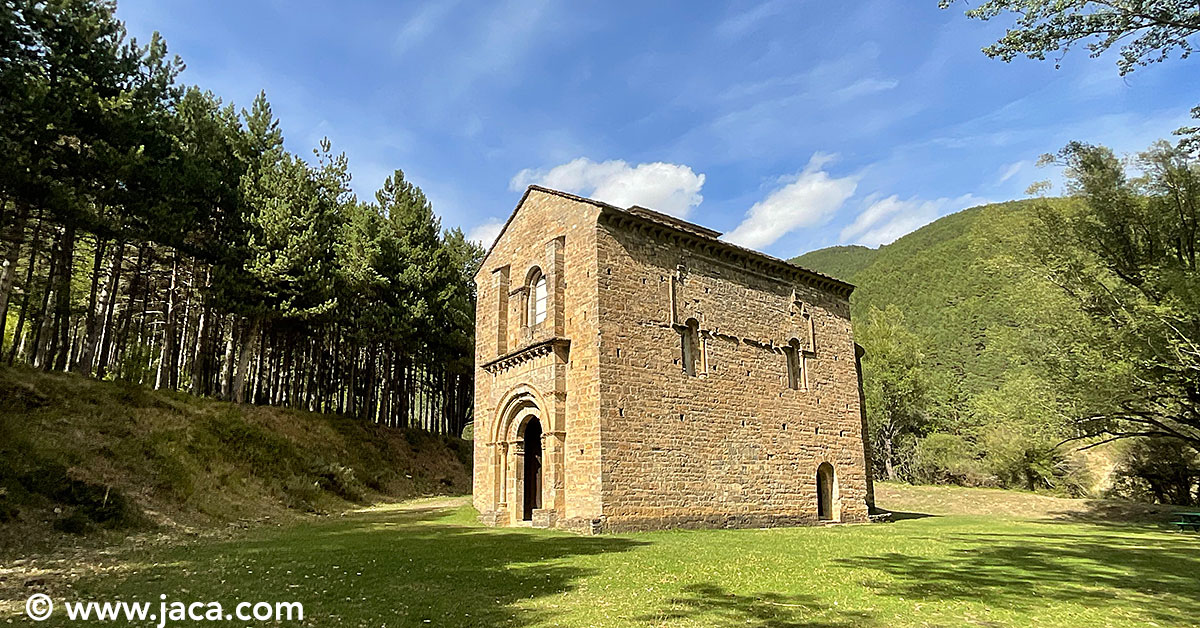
(430, 564)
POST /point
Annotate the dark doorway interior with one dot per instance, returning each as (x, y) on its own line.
(533, 468)
(825, 491)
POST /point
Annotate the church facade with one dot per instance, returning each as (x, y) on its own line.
(634, 371)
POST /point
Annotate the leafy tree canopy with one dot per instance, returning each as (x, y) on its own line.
(1151, 29)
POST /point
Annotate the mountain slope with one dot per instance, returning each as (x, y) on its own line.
(965, 284)
(842, 262)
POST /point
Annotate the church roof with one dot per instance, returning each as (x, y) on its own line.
(682, 226)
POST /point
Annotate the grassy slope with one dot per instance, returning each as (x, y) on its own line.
(117, 456)
(958, 280)
(421, 565)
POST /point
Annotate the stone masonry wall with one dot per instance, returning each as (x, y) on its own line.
(733, 445)
(557, 235)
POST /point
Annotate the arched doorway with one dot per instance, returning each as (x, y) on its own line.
(533, 468)
(826, 486)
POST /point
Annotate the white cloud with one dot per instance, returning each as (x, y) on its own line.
(485, 234)
(743, 23)
(669, 188)
(808, 199)
(864, 87)
(1011, 171)
(885, 220)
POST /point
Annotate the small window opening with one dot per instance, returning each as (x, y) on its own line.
(795, 365)
(826, 487)
(537, 298)
(689, 336)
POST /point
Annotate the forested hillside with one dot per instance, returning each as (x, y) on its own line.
(842, 262)
(959, 314)
(154, 234)
(965, 284)
(997, 343)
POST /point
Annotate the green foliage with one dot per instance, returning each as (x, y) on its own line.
(895, 386)
(842, 262)
(942, 458)
(1018, 429)
(985, 321)
(1149, 30)
(1127, 259)
(141, 212)
(1159, 470)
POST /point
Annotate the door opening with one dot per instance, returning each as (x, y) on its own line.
(533, 469)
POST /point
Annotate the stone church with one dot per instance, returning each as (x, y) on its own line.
(633, 372)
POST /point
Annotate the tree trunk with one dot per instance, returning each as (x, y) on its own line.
(888, 450)
(102, 339)
(91, 331)
(121, 337)
(60, 348)
(41, 339)
(243, 362)
(35, 244)
(165, 365)
(227, 365)
(201, 354)
(15, 238)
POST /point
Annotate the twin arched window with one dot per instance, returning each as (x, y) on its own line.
(536, 309)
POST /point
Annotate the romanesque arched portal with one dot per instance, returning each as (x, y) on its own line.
(526, 458)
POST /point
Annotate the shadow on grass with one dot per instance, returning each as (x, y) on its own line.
(897, 515)
(1021, 572)
(712, 605)
(1116, 512)
(414, 567)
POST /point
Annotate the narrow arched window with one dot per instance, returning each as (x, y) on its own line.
(537, 298)
(795, 365)
(690, 345)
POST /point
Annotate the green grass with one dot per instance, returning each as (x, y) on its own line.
(401, 566)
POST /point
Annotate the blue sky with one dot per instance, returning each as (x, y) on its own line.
(788, 125)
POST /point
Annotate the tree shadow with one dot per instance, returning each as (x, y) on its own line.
(1117, 512)
(412, 567)
(1023, 571)
(712, 605)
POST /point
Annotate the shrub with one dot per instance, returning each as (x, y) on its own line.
(301, 493)
(341, 481)
(947, 459)
(74, 523)
(1160, 470)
